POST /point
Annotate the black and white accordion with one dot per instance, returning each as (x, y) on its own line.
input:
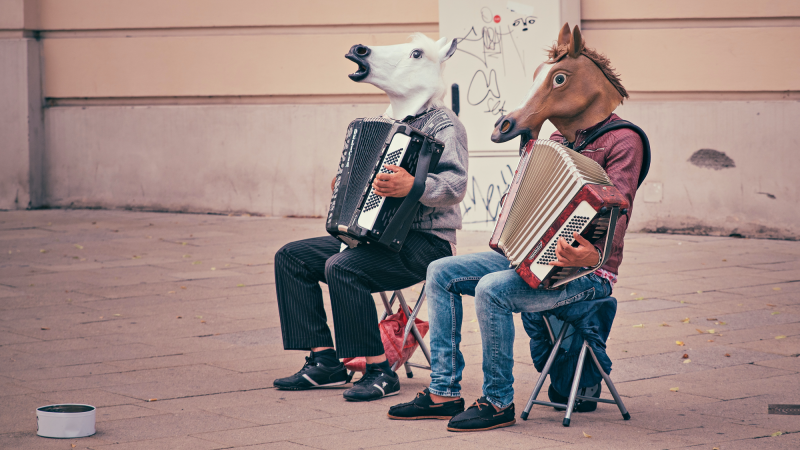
(356, 214)
(556, 191)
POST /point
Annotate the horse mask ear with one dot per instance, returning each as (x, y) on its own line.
(576, 45)
(564, 36)
(446, 51)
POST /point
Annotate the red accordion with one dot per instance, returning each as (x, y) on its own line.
(556, 191)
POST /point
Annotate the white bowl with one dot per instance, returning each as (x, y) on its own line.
(65, 421)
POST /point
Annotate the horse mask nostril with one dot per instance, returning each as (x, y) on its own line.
(362, 51)
(507, 125)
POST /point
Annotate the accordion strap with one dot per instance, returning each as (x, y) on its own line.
(612, 226)
(616, 125)
(411, 202)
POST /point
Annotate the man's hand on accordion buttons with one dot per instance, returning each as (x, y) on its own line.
(584, 255)
(397, 184)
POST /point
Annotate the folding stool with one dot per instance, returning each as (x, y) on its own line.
(411, 326)
(573, 394)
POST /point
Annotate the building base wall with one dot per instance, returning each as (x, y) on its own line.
(279, 159)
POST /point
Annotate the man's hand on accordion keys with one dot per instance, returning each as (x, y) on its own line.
(584, 255)
(396, 184)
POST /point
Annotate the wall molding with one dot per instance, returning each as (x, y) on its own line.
(244, 31)
(650, 24)
(221, 100)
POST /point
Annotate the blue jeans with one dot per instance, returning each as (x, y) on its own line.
(499, 292)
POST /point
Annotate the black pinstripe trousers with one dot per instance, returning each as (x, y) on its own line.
(352, 276)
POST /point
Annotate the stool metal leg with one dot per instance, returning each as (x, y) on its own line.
(545, 371)
(575, 383)
(610, 384)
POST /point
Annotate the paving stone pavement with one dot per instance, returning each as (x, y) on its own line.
(168, 324)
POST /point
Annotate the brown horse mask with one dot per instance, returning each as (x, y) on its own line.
(575, 89)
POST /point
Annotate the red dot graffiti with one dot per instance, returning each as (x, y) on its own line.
(497, 19)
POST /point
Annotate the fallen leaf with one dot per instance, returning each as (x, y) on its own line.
(213, 268)
(716, 448)
(680, 343)
(202, 321)
(768, 304)
(685, 355)
(42, 251)
(171, 292)
(641, 325)
(183, 287)
(633, 293)
(197, 262)
(700, 331)
(152, 400)
(183, 243)
(187, 256)
(780, 337)
(474, 320)
(198, 317)
(73, 445)
(586, 435)
(137, 257)
(673, 389)
(687, 361)
(723, 323)
(240, 285)
(78, 246)
(699, 292)
(179, 317)
(665, 324)
(45, 328)
(777, 433)
(117, 315)
(712, 319)
(712, 331)
(101, 317)
(775, 313)
(776, 289)
(725, 260)
(686, 320)
(710, 340)
(639, 298)
(727, 355)
(683, 301)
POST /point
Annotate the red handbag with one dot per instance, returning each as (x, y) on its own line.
(392, 329)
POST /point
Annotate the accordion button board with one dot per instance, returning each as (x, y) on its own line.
(555, 192)
(356, 214)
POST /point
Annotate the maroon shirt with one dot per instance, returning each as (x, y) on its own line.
(619, 153)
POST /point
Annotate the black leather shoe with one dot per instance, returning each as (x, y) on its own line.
(423, 407)
(580, 405)
(482, 416)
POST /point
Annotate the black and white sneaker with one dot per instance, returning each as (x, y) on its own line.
(314, 375)
(375, 384)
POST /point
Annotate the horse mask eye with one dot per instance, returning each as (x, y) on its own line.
(416, 54)
(559, 79)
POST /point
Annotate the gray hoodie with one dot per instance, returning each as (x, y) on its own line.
(440, 213)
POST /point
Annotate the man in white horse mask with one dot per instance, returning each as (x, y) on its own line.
(411, 75)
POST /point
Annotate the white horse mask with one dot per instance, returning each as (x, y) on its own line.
(410, 74)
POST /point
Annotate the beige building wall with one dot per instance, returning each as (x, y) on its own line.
(240, 105)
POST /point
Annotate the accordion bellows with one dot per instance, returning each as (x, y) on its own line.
(556, 191)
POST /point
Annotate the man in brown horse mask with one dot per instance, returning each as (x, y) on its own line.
(578, 91)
